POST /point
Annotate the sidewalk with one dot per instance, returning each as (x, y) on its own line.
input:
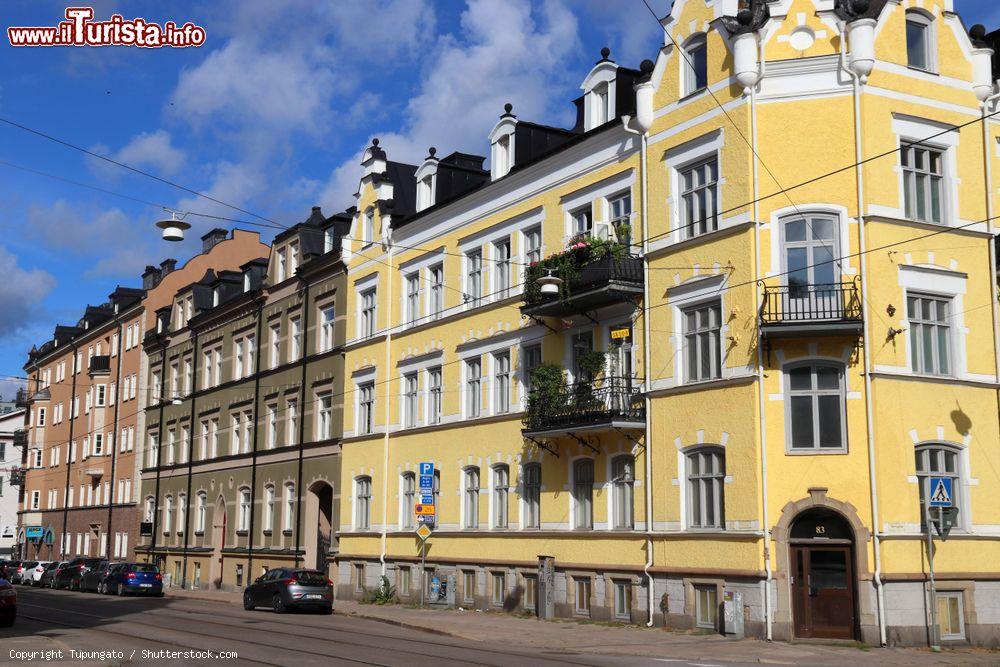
(569, 636)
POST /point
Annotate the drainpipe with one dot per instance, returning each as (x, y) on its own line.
(988, 175)
(857, 80)
(303, 356)
(765, 505)
(388, 406)
(195, 353)
(69, 452)
(159, 448)
(644, 120)
(256, 412)
(114, 436)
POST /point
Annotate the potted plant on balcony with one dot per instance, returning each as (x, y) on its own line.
(547, 393)
(581, 251)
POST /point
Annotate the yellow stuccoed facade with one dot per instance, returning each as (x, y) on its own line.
(791, 357)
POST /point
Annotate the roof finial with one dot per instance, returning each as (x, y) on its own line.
(432, 151)
(375, 141)
(507, 108)
(605, 52)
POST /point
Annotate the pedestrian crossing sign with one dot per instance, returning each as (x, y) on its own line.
(941, 492)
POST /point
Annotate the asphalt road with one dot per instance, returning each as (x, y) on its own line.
(144, 631)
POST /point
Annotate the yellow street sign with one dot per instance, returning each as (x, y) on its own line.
(425, 510)
(423, 531)
(617, 334)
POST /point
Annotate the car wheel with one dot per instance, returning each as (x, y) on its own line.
(248, 602)
(121, 591)
(100, 588)
(278, 605)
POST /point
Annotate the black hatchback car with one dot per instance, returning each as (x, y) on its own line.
(91, 581)
(283, 589)
(71, 575)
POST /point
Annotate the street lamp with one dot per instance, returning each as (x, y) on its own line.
(549, 284)
(173, 229)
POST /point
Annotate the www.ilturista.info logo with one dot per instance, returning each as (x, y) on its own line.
(81, 30)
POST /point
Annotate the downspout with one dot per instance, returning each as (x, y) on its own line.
(303, 349)
(72, 423)
(764, 489)
(195, 353)
(259, 352)
(159, 448)
(388, 407)
(988, 175)
(644, 120)
(869, 411)
(114, 437)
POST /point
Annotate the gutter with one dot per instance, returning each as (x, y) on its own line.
(388, 406)
(159, 447)
(69, 452)
(115, 446)
(302, 422)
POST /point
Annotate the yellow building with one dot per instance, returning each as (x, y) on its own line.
(711, 343)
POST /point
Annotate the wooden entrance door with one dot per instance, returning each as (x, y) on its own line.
(823, 592)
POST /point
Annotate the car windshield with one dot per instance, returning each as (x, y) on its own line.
(144, 567)
(310, 578)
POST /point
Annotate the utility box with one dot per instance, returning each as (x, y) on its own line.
(545, 598)
(732, 614)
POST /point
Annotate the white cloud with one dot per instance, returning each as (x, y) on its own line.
(21, 293)
(153, 150)
(468, 78)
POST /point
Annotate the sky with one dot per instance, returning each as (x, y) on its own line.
(270, 114)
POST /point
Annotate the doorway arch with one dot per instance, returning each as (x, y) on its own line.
(835, 532)
(318, 525)
(219, 523)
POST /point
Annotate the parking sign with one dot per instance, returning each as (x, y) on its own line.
(427, 468)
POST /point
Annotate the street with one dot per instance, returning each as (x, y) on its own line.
(62, 620)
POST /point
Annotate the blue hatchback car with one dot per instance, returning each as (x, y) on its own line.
(134, 578)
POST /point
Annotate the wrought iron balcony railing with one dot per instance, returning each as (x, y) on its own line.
(594, 284)
(826, 307)
(22, 398)
(604, 403)
(20, 438)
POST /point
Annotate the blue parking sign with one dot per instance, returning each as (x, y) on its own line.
(941, 492)
(427, 499)
(427, 468)
(426, 482)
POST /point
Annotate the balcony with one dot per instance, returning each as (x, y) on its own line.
(21, 438)
(22, 398)
(599, 405)
(17, 477)
(811, 310)
(100, 365)
(593, 273)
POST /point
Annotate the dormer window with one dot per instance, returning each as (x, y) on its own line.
(501, 156)
(695, 65)
(280, 265)
(918, 40)
(327, 241)
(601, 101)
(216, 297)
(246, 281)
(368, 230)
(425, 192)
(293, 257)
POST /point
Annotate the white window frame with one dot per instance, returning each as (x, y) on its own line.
(914, 130)
(689, 83)
(926, 20)
(816, 449)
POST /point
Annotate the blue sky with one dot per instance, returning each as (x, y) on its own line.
(270, 115)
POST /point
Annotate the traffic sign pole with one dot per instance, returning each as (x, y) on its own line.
(935, 644)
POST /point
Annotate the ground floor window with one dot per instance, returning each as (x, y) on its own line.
(623, 599)
(706, 606)
(177, 572)
(469, 586)
(197, 575)
(499, 588)
(583, 596)
(359, 578)
(530, 592)
(949, 615)
(404, 581)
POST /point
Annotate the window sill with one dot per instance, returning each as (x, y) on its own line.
(287, 533)
(816, 451)
(914, 68)
(692, 95)
(199, 533)
(267, 533)
(241, 533)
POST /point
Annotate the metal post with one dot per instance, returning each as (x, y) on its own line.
(935, 644)
(423, 570)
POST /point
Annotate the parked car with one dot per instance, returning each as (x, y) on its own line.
(137, 578)
(283, 589)
(45, 581)
(92, 580)
(26, 566)
(31, 578)
(8, 604)
(71, 575)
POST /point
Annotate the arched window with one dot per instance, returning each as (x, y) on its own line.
(809, 244)
(531, 494)
(471, 517)
(695, 65)
(150, 509)
(407, 497)
(362, 502)
(815, 407)
(368, 230)
(622, 494)
(181, 513)
(290, 506)
(268, 508)
(919, 40)
(938, 460)
(244, 515)
(583, 494)
(200, 502)
(501, 491)
(706, 476)
(168, 514)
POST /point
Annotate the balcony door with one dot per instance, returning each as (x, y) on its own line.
(812, 271)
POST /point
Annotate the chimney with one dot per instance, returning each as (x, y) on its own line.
(150, 277)
(167, 265)
(212, 238)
